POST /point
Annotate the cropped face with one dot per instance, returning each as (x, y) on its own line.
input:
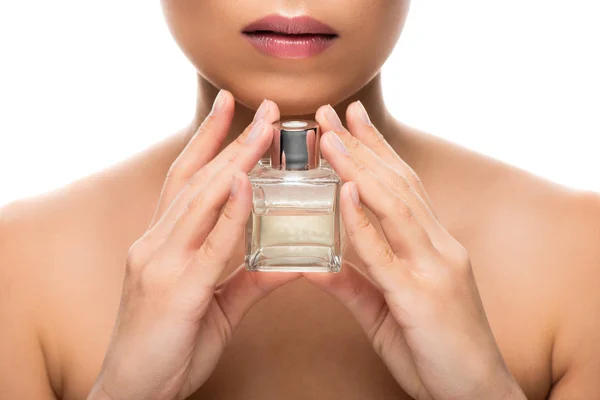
(300, 54)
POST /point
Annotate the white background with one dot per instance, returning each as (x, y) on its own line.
(85, 84)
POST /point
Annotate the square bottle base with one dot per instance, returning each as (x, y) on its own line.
(294, 259)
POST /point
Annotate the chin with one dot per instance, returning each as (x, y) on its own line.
(297, 97)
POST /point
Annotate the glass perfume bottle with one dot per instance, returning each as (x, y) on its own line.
(295, 220)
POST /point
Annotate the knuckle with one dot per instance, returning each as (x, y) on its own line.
(398, 182)
(384, 253)
(240, 140)
(397, 207)
(206, 124)
(359, 225)
(228, 212)
(139, 279)
(379, 139)
(452, 279)
(195, 203)
(187, 210)
(137, 255)
(360, 167)
(404, 209)
(414, 178)
(208, 248)
(353, 143)
(232, 158)
(458, 256)
(363, 222)
(210, 118)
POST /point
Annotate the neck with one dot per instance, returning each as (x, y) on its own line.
(370, 95)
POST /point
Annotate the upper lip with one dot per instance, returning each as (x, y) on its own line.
(291, 26)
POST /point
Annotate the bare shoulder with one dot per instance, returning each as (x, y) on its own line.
(49, 247)
(20, 310)
(575, 250)
(556, 230)
(535, 249)
(59, 253)
(484, 200)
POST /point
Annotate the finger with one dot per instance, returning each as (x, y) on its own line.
(401, 226)
(369, 307)
(220, 242)
(360, 126)
(200, 214)
(392, 177)
(201, 148)
(243, 155)
(231, 300)
(382, 263)
(268, 111)
(238, 292)
(354, 290)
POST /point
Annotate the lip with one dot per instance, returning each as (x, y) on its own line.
(283, 37)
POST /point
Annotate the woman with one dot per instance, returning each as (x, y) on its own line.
(465, 278)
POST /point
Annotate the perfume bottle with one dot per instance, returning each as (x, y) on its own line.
(295, 221)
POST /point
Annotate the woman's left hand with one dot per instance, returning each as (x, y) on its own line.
(421, 307)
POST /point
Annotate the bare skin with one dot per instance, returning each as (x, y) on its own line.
(532, 244)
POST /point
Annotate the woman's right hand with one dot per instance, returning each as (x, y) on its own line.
(175, 319)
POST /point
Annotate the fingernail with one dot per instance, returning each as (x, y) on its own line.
(219, 102)
(333, 118)
(256, 131)
(234, 186)
(336, 143)
(262, 111)
(354, 194)
(362, 113)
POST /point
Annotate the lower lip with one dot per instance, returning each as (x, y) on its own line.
(290, 46)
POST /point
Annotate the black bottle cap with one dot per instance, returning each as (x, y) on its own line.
(295, 145)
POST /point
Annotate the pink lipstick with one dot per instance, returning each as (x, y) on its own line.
(283, 37)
